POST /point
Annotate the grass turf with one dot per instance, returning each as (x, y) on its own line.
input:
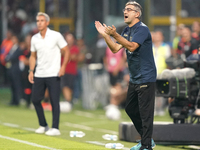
(19, 123)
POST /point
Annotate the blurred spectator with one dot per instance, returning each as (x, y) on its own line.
(5, 48)
(115, 64)
(68, 80)
(19, 12)
(195, 56)
(82, 58)
(118, 97)
(177, 39)
(161, 52)
(187, 45)
(14, 73)
(175, 61)
(28, 27)
(16, 19)
(24, 61)
(196, 30)
(81, 61)
(100, 50)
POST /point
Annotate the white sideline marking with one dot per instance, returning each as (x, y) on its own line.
(93, 122)
(102, 144)
(17, 126)
(89, 128)
(85, 114)
(107, 131)
(26, 142)
(96, 143)
(89, 115)
(11, 125)
(78, 126)
(28, 129)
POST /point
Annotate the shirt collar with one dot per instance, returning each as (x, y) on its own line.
(135, 25)
(47, 33)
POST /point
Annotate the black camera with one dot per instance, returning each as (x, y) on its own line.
(183, 87)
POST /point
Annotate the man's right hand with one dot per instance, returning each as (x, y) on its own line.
(31, 77)
(100, 28)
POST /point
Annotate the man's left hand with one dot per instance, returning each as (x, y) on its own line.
(110, 30)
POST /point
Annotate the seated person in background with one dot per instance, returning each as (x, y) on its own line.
(68, 80)
(115, 64)
(196, 30)
(187, 45)
(161, 52)
(195, 56)
(178, 37)
(13, 70)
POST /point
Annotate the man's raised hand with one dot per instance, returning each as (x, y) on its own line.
(100, 28)
(110, 30)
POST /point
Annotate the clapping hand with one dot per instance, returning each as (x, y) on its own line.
(110, 30)
(100, 28)
(105, 30)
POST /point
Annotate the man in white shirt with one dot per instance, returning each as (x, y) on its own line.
(47, 46)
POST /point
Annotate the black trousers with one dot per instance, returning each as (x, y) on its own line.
(140, 108)
(14, 75)
(38, 90)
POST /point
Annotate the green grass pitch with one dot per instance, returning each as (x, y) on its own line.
(17, 125)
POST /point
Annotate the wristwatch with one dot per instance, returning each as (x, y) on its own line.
(30, 70)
